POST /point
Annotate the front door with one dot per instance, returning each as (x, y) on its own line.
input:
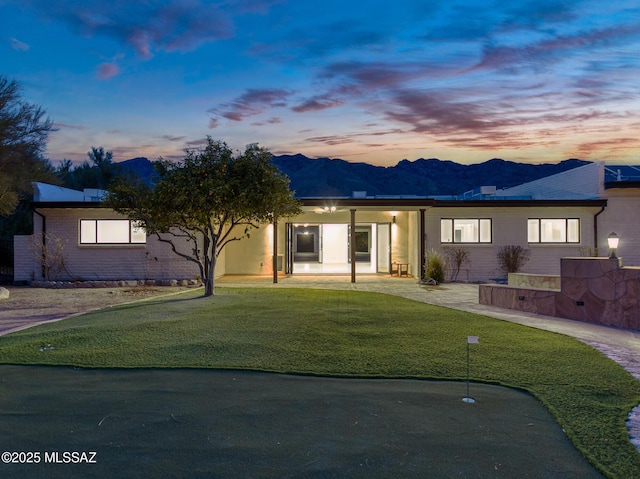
(384, 248)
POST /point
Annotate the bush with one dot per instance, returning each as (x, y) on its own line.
(512, 258)
(456, 257)
(435, 266)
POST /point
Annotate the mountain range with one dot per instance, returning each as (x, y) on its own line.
(323, 177)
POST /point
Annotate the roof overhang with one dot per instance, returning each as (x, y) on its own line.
(67, 204)
(621, 184)
(413, 203)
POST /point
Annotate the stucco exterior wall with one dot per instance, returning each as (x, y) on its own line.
(509, 227)
(621, 216)
(24, 264)
(253, 255)
(153, 260)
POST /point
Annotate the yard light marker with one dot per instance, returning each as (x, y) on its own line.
(470, 340)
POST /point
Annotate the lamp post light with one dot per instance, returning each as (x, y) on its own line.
(613, 240)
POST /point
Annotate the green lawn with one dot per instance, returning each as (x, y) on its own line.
(353, 334)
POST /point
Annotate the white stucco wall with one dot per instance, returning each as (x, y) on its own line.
(24, 264)
(153, 260)
(509, 227)
(621, 216)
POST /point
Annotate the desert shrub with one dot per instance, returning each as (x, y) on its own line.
(512, 258)
(49, 251)
(455, 258)
(435, 266)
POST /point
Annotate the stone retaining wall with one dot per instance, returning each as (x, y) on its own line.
(115, 284)
(593, 290)
(538, 281)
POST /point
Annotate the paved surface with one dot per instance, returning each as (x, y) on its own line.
(622, 346)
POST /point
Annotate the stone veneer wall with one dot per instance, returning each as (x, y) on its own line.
(538, 281)
(594, 290)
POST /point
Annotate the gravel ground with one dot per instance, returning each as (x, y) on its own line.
(27, 306)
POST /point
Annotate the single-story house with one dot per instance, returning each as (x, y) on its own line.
(568, 214)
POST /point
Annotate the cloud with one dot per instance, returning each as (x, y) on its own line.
(612, 147)
(317, 103)
(19, 46)
(107, 70)
(66, 126)
(271, 121)
(256, 6)
(543, 53)
(171, 138)
(331, 140)
(253, 102)
(178, 25)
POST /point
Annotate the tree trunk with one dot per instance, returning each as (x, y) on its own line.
(210, 259)
(209, 289)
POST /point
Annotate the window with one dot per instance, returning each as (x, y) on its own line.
(465, 230)
(111, 232)
(553, 230)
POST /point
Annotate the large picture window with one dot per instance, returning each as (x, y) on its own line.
(553, 230)
(111, 232)
(462, 230)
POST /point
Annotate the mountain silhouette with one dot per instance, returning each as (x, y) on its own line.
(325, 177)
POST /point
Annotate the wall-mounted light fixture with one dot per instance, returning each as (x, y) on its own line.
(613, 240)
(394, 214)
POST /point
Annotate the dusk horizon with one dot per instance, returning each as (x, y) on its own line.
(462, 81)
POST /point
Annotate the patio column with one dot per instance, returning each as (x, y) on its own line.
(275, 251)
(421, 269)
(352, 249)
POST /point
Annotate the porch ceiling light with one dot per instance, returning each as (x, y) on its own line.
(613, 240)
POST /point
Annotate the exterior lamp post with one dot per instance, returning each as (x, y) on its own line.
(613, 241)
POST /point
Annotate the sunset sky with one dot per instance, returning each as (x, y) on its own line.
(368, 81)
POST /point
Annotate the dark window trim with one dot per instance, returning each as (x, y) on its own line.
(566, 229)
(98, 243)
(453, 239)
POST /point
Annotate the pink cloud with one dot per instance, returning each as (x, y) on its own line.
(174, 25)
(253, 102)
(107, 71)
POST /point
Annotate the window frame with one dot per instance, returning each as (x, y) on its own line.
(96, 221)
(566, 231)
(479, 222)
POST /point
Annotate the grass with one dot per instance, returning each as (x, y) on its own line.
(352, 334)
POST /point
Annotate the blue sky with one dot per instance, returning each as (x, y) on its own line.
(369, 81)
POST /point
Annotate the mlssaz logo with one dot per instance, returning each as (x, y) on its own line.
(70, 457)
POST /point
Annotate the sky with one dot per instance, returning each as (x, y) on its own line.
(372, 81)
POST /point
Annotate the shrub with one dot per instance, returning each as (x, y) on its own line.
(456, 257)
(512, 258)
(435, 266)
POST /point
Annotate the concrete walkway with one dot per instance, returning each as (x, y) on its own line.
(621, 346)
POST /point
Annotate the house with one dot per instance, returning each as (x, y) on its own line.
(568, 214)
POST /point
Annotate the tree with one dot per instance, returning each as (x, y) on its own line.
(23, 140)
(100, 173)
(207, 201)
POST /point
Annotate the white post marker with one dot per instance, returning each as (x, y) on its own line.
(470, 340)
